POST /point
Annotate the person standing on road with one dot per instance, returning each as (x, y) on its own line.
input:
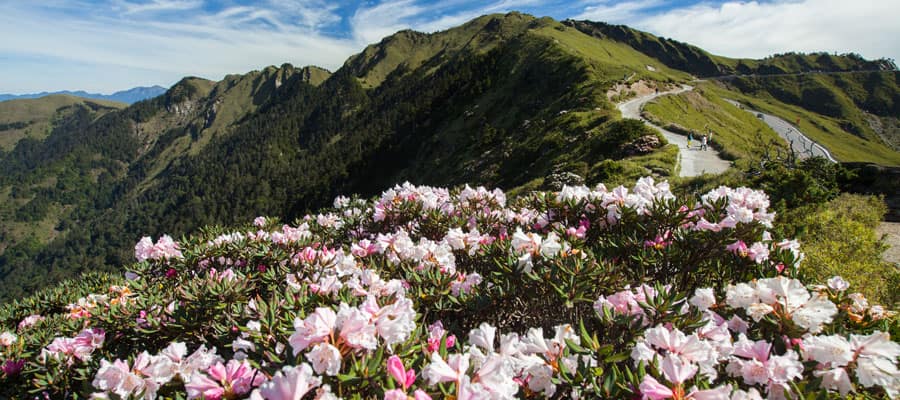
(690, 138)
(703, 143)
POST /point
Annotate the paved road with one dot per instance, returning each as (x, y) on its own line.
(693, 161)
(800, 143)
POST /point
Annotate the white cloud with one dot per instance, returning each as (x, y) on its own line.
(371, 24)
(129, 7)
(617, 12)
(374, 23)
(95, 46)
(235, 40)
(758, 29)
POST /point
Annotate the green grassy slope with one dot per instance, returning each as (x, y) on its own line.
(34, 118)
(692, 59)
(832, 132)
(737, 133)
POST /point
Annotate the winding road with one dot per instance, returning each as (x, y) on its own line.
(693, 161)
(799, 142)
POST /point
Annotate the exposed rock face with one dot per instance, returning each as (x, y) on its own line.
(558, 179)
(641, 145)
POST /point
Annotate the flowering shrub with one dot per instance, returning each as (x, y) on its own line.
(431, 293)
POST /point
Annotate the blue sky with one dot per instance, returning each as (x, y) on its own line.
(109, 45)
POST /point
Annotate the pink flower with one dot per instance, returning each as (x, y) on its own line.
(404, 377)
(259, 222)
(357, 329)
(12, 367)
(163, 249)
(325, 359)
(233, 379)
(451, 370)
(291, 383)
(651, 389)
(395, 394)
(202, 387)
(660, 242)
(316, 328)
(364, 248)
(143, 248)
(759, 252)
(30, 321)
(676, 370)
(739, 248)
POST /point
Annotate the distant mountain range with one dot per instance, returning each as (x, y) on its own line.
(129, 96)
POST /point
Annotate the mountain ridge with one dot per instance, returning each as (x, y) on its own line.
(127, 96)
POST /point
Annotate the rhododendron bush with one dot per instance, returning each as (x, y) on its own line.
(429, 293)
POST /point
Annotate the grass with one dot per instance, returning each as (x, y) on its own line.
(840, 239)
(827, 131)
(737, 133)
(39, 114)
(610, 60)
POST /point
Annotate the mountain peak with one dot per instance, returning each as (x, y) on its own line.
(411, 49)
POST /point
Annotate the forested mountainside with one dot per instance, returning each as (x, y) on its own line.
(503, 100)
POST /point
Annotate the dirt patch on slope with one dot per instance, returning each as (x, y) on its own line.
(891, 234)
(622, 91)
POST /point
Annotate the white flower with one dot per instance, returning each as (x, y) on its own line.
(751, 394)
(314, 329)
(878, 344)
(835, 379)
(815, 313)
(741, 295)
(8, 339)
(357, 330)
(325, 359)
(703, 298)
(291, 383)
(451, 370)
(759, 310)
(550, 247)
(396, 321)
(859, 304)
(456, 239)
(871, 371)
(789, 292)
(832, 350)
(837, 283)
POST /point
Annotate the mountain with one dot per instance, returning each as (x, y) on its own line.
(685, 57)
(32, 118)
(129, 96)
(503, 100)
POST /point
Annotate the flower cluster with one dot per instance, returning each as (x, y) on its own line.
(164, 248)
(439, 293)
(69, 350)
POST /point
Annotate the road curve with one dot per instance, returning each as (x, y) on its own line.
(800, 143)
(693, 161)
